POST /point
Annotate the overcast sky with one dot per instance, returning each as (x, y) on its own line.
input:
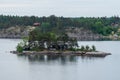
(67, 8)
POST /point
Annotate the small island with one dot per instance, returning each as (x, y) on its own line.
(41, 42)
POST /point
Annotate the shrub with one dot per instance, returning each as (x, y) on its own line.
(87, 48)
(19, 48)
(93, 48)
(82, 48)
(72, 49)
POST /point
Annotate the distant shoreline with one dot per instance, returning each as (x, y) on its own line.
(78, 40)
(10, 38)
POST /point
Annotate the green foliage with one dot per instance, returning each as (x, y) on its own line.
(82, 48)
(87, 48)
(52, 38)
(100, 25)
(45, 27)
(72, 49)
(25, 40)
(22, 44)
(93, 48)
(36, 35)
(20, 47)
(63, 37)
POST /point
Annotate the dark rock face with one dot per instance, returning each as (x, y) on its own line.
(14, 32)
(83, 35)
(79, 34)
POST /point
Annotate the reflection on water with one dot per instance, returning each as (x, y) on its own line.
(36, 67)
(49, 58)
(59, 58)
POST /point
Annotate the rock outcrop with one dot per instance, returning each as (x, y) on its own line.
(83, 35)
(14, 32)
(22, 31)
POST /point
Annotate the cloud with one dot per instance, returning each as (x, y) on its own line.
(12, 5)
(60, 7)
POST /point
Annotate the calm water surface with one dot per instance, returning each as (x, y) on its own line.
(13, 67)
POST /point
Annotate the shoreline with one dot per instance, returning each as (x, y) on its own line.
(64, 53)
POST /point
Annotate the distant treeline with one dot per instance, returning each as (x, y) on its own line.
(100, 25)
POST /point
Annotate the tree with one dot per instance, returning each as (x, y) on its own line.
(93, 48)
(82, 48)
(45, 27)
(87, 48)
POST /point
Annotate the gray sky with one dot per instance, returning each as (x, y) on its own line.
(67, 8)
